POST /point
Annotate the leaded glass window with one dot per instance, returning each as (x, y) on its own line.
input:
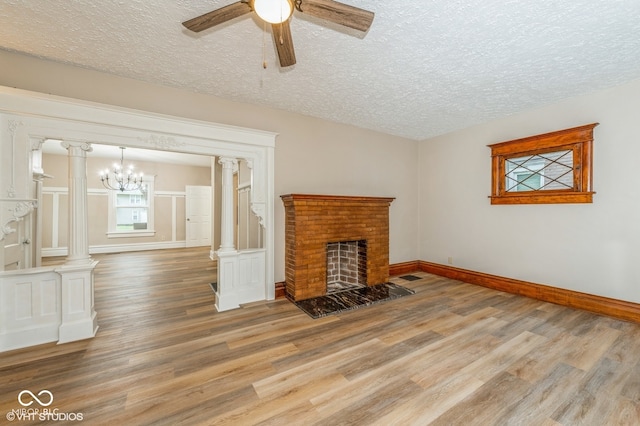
(550, 168)
(549, 171)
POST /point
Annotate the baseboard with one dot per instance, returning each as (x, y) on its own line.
(281, 290)
(615, 308)
(404, 268)
(620, 309)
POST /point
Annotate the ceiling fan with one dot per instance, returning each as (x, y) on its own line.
(278, 13)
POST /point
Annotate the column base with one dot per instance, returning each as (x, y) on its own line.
(79, 319)
(241, 278)
(78, 330)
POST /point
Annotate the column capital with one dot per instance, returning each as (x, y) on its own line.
(36, 143)
(228, 162)
(77, 148)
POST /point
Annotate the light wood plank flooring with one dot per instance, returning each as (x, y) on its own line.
(452, 354)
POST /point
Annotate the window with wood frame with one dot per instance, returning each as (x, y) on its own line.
(551, 168)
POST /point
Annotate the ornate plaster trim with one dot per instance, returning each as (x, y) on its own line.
(259, 209)
(258, 201)
(161, 141)
(21, 209)
(12, 126)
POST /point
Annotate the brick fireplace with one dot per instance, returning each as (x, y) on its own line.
(317, 225)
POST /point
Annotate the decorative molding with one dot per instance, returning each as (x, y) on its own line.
(259, 209)
(77, 148)
(229, 163)
(404, 268)
(36, 158)
(620, 309)
(132, 234)
(342, 198)
(12, 127)
(101, 191)
(117, 248)
(256, 165)
(256, 198)
(161, 141)
(36, 143)
(21, 209)
(181, 194)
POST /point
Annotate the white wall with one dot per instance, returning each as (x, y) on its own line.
(591, 248)
(311, 155)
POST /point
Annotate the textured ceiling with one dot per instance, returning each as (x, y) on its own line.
(424, 68)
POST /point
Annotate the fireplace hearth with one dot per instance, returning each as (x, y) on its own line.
(318, 225)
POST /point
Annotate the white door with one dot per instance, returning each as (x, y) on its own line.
(198, 211)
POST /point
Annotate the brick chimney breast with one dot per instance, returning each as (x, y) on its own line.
(313, 221)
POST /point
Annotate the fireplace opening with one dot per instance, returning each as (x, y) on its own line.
(346, 265)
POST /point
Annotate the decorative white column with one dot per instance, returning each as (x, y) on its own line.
(79, 318)
(78, 210)
(240, 273)
(226, 216)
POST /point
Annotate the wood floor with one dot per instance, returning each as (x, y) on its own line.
(452, 354)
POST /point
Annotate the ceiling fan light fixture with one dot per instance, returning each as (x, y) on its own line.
(273, 11)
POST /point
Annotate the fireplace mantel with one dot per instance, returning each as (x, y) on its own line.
(312, 221)
(339, 198)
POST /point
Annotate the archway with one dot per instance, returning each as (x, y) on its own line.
(28, 118)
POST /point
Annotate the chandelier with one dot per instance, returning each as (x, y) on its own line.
(120, 180)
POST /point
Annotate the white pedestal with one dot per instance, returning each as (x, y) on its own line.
(79, 318)
(241, 278)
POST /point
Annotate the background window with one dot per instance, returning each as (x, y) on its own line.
(131, 212)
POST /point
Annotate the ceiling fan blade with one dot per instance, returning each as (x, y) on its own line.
(284, 43)
(339, 13)
(218, 16)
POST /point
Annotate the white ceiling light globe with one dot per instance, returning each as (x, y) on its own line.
(273, 11)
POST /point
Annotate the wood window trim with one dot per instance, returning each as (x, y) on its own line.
(577, 139)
